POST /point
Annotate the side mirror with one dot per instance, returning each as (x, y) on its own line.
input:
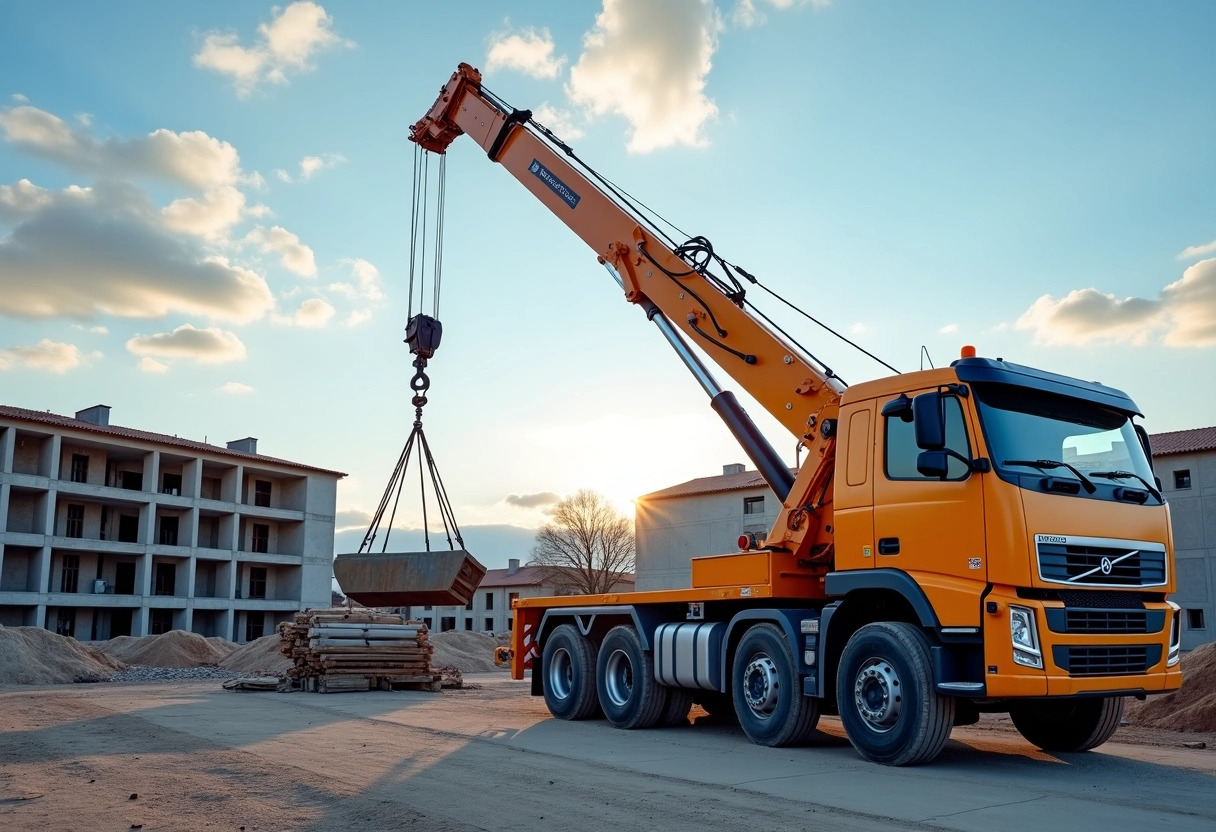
(933, 464)
(929, 421)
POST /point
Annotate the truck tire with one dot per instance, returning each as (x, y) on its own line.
(628, 693)
(568, 665)
(769, 702)
(884, 689)
(679, 703)
(1067, 724)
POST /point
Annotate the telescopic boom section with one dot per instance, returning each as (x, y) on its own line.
(798, 394)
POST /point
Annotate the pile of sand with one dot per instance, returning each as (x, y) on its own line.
(34, 656)
(259, 656)
(467, 651)
(176, 648)
(1192, 707)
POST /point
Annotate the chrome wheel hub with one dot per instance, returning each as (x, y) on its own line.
(560, 673)
(618, 678)
(761, 685)
(878, 695)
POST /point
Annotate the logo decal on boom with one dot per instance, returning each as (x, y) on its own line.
(556, 185)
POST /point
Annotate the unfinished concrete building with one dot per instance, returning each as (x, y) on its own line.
(108, 531)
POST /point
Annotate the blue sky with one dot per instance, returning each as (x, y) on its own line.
(204, 214)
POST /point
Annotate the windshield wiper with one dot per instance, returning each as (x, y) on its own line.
(1045, 464)
(1122, 475)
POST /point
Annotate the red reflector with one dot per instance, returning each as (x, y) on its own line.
(745, 542)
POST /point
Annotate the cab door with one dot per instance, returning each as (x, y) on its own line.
(931, 528)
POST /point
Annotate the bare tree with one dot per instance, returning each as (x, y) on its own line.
(587, 547)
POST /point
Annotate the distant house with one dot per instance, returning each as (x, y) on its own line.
(1185, 462)
(490, 609)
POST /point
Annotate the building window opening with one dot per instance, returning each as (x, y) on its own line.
(261, 493)
(255, 625)
(65, 622)
(447, 622)
(168, 531)
(159, 621)
(70, 578)
(489, 600)
(128, 528)
(171, 484)
(1194, 619)
(512, 597)
(80, 468)
(257, 582)
(753, 505)
(468, 624)
(1182, 479)
(489, 625)
(261, 538)
(166, 579)
(75, 526)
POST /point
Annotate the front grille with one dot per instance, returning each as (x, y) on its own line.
(1099, 599)
(1098, 562)
(1106, 661)
(1105, 621)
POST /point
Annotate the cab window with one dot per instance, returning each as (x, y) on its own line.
(899, 458)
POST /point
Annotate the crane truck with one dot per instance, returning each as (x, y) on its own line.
(980, 538)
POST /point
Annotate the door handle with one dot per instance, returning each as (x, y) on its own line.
(888, 546)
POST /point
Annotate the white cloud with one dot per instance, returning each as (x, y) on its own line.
(529, 51)
(19, 98)
(559, 121)
(235, 387)
(53, 356)
(648, 62)
(310, 166)
(22, 199)
(857, 328)
(1185, 310)
(948, 329)
(151, 365)
(314, 313)
(294, 255)
(1197, 251)
(357, 317)
(211, 216)
(193, 159)
(367, 284)
(285, 45)
(105, 250)
(205, 346)
(747, 13)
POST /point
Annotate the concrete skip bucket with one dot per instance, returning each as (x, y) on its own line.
(404, 579)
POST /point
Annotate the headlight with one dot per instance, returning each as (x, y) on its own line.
(1175, 634)
(1025, 637)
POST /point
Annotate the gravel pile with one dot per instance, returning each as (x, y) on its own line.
(34, 656)
(144, 673)
(1190, 708)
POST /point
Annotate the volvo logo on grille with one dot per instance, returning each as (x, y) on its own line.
(1106, 566)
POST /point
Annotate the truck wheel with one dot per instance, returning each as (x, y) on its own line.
(768, 697)
(679, 703)
(884, 688)
(629, 695)
(1067, 724)
(568, 665)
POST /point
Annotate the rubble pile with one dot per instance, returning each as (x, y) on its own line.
(1190, 708)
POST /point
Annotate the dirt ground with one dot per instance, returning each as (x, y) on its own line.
(190, 756)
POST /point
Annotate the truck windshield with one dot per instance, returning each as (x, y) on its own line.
(1028, 425)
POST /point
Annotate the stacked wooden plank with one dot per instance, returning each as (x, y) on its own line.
(357, 649)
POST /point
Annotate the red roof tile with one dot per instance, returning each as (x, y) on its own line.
(20, 414)
(1183, 441)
